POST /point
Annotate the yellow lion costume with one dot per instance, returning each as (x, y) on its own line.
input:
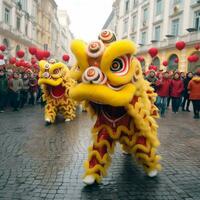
(56, 82)
(113, 87)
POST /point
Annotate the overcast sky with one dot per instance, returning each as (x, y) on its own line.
(87, 16)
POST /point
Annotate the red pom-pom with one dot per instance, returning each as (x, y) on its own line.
(165, 63)
(180, 45)
(66, 57)
(20, 54)
(32, 50)
(153, 52)
(2, 47)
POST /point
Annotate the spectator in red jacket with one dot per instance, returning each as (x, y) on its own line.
(163, 87)
(194, 91)
(177, 88)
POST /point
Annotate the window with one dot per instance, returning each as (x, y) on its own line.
(134, 23)
(22, 4)
(175, 27)
(18, 24)
(135, 2)
(157, 33)
(143, 40)
(145, 15)
(133, 38)
(7, 16)
(158, 7)
(26, 29)
(125, 30)
(197, 20)
(126, 6)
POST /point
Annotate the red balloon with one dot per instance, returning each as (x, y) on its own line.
(165, 63)
(2, 47)
(32, 50)
(176, 60)
(20, 54)
(1, 56)
(180, 45)
(153, 52)
(153, 67)
(66, 57)
(39, 54)
(12, 60)
(46, 54)
(197, 46)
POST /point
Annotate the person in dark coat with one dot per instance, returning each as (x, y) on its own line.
(151, 78)
(3, 90)
(185, 92)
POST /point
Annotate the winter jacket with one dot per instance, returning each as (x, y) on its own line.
(3, 84)
(16, 84)
(163, 87)
(176, 88)
(185, 91)
(33, 85)
(194, 88)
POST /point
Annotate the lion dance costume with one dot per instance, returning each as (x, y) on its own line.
(112, 85)
(56, 82)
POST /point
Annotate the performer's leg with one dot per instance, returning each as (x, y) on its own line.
(68, 110)
(50, 113)
(146, 155)
(99, 157)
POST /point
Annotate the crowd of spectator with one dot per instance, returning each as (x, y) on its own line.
(179, 88)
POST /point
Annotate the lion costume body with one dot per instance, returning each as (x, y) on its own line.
(114, 90)
(55, 81)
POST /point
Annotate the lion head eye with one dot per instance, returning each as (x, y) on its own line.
(120, 65)
(56, 71)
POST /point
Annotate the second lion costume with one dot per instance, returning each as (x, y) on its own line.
(111, 83)
(56, 82)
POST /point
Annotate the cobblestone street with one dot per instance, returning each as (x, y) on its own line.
(38, 162)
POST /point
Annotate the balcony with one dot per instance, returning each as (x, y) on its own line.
(189, 39)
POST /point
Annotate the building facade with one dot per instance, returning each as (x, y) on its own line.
(24, 23)
(160, 23)
(17, 25)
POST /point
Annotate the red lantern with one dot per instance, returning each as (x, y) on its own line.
(2, 47)
(66, 57)
(12, 60)
(153, 67)
(180, 45)
(176, 60)
(153, 52)
(193, 58)
(46, 54)
(20, 54)
(1, 56)
(197, 46)
(35, 66)
(165, 63)
(18, 64)
(140, 58)
(39, 54)
(32, 50)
